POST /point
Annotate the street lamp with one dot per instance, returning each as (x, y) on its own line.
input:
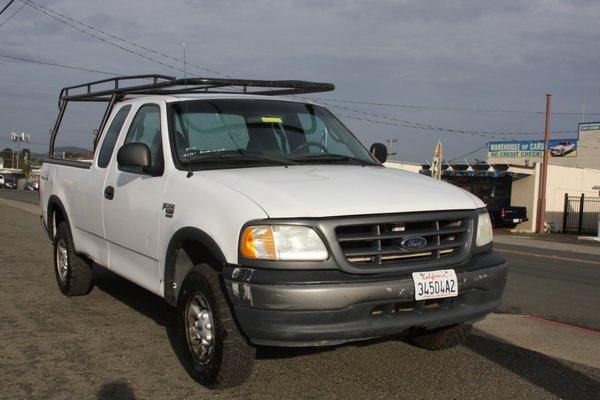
(19, 138)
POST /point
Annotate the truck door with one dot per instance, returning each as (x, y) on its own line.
(132, 202)
(93, 241)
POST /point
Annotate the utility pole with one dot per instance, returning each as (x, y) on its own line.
(541, 214)
(597, 187)
(391, 142)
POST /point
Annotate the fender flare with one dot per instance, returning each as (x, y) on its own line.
(53, 202)
(183, 234)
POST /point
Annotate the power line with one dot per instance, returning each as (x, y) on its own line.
(469, 153)
(32, 3)
(439, 108)
(29, 60)
(55, 15)
(403, 123)
(6, 6)
(12, 15)
(397, 122)
(410, 126)
(418, 125)
(35, 7)
(41, 8)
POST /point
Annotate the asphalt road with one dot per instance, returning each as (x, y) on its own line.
(553, 283)
(115, 342)
(26, 196)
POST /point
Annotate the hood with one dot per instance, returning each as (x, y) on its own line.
(337, 190)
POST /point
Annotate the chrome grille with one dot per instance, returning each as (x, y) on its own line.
(379, 244)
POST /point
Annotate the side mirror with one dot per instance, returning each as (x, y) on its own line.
(379, 151)
(134, 155)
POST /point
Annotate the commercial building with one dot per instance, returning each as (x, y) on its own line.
(511, 175)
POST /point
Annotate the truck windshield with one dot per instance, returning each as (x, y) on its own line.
(212, 133)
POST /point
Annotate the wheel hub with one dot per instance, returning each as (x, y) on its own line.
(200, 328)
(62, 260)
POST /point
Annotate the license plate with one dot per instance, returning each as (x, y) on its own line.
(517, 220)
(435, 284)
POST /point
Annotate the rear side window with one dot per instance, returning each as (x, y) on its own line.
(112, 134)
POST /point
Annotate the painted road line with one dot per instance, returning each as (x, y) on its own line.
(553, 257)
(563, 325)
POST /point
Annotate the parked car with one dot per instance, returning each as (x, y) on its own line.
(562, 149)
(31, 185)
(1, 181)
(502, 214)
(508, 216)
(10, 184)
(264, 221)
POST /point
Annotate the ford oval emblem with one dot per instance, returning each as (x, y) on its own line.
(413, 243)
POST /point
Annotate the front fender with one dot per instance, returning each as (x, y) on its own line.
(199, 208)
(172, 284)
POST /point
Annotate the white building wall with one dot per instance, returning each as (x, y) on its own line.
(573, 181)
(561, 180)
(524, 193)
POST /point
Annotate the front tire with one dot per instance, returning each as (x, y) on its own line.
(215, 351)
(441, 338)
(73, 273)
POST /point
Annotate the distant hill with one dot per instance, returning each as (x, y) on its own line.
(71, 149)
(61, 149)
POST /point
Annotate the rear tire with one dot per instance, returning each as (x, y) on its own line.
(73, 273)
(441, 338)
(215, 351)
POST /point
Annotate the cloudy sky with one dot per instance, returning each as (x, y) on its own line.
(500, 55)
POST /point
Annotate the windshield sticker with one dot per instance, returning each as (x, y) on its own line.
(192, 152)
(272, 120)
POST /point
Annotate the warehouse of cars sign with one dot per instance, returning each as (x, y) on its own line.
(530, 150)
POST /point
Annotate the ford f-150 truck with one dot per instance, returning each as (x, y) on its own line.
(263, 221)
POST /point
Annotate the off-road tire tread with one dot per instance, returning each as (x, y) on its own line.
(79, 277)
(237, 357)
(441, 338)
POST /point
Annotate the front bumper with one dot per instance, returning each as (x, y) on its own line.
(319, 308)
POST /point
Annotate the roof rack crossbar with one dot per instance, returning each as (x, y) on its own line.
(163, 84)
(89, 92)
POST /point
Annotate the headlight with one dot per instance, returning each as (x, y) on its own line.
(282, 242)
(484, 230)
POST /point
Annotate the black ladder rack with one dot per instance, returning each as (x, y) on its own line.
(111, 91)
(163, 84)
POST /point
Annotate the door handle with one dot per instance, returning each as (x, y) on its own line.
(109, 192)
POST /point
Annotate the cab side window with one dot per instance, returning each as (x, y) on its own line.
(108, 144)
(145, 128)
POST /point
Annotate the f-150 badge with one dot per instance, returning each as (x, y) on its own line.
(169, 209)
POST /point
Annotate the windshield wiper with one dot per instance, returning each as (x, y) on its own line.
(241, 159)
(330, 158)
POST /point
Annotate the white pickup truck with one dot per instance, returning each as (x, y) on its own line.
(264, 221)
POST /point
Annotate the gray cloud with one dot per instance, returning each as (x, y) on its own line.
(448, 53)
